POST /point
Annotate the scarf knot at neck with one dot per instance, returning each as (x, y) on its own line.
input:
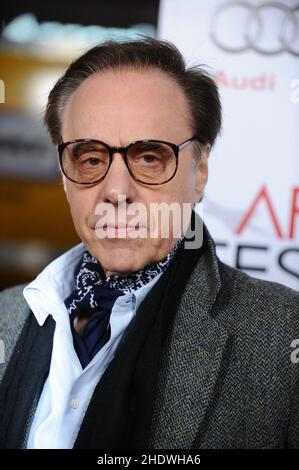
(90, 274)
(95, 295)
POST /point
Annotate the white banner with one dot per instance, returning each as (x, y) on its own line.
(251, 204)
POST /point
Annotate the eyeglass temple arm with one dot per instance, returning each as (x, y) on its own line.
(195, 137)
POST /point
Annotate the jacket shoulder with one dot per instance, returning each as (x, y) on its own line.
(258, 291)
(257, 308)
(13, 313)
(12, 306)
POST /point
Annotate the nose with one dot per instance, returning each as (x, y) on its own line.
(118, 181)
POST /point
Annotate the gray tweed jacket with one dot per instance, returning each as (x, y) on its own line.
(226, 377)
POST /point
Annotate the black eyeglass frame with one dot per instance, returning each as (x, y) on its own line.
(124, 151)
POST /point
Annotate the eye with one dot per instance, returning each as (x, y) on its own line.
(93, 161)
(150, 158)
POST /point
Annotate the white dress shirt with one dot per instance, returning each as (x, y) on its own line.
(68, 389)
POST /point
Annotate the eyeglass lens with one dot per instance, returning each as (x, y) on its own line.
(148, 162)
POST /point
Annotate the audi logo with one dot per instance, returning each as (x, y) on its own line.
(268, 28)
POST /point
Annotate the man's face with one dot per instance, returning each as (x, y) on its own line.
(120, 107)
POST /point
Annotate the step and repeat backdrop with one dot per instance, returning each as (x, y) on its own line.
(251, 204)
(36, 225)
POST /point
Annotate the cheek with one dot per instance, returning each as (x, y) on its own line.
(80, 204)
(184, 183)
(183, 189)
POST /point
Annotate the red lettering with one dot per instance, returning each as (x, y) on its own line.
(221, 78)
(239, 83)
(262, 82)
(294, 212)
(259, 83)
(261, 196)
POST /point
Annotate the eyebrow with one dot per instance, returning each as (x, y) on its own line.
(148, 145)
(79, 147)
(141, 145)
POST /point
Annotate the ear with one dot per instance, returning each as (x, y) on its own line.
(202, 172)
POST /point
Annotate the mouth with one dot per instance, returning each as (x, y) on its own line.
(118, 230)
(119, 227)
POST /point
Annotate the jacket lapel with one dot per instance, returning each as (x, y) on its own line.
(23, 381)
(191, 359)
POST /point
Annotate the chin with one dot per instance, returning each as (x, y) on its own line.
(119, 259)
(122, 267)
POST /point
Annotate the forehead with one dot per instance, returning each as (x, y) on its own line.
(125, 105)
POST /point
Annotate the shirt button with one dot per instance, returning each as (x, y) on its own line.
(75, 404)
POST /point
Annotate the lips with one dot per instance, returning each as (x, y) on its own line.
(119, 230)
(119, 226)
(111, 230)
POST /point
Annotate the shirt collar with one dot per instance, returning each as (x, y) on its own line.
(46, 293)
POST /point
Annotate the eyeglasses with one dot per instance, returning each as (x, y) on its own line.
(87, 161)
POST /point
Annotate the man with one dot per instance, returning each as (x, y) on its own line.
(134, 339)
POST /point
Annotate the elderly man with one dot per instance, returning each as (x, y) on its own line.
(134, 339)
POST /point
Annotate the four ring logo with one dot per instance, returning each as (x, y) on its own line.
(268, 28)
